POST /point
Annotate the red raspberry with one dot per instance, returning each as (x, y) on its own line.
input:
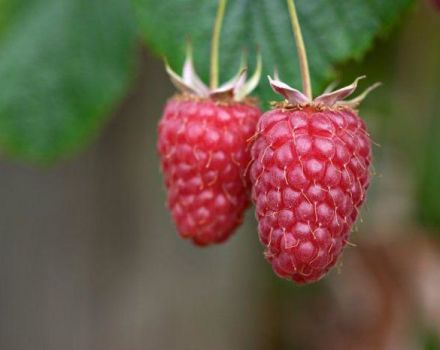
(204, 153)
(309, 175)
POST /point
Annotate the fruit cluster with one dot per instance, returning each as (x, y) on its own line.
(305, 163)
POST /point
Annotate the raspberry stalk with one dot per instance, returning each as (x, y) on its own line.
(301, 50)
(213, 78)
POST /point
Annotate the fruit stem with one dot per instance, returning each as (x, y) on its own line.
(301, 50)
(213, 76)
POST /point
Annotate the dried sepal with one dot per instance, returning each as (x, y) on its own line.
(293, 96)
(330, 98)
(227, 90)
(353, 103)
(248, 86)
(190, 76)
(236, 88)
(178, 81)
(242, 66)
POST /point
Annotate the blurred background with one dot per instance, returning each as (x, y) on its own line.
(89, 257)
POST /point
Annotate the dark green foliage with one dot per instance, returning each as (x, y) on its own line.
(63, 65)
(334, 31)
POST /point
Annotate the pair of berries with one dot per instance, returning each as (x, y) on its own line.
(305, 164)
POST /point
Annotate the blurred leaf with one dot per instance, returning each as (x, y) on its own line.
(334, 31)
(7, 10)
(431, 341)
(429, 176)
(63, 65)
(424, 117)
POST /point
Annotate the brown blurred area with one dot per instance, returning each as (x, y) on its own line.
(90, 260)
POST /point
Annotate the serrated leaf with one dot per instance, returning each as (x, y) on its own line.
(334, 31)
(63, 65)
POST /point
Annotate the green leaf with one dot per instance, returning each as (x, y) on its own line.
(334, 31)
(8, 9)
(63, 65)
(430, 340)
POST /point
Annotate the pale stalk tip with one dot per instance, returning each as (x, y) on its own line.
(215, 41)
(301, 50)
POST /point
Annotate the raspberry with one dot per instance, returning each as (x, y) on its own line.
(204, 152)
(309, 175)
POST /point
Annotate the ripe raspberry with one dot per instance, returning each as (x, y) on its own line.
(309, 175)
(204, 152)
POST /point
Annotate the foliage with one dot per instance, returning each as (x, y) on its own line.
(65, 63)
(334, 31)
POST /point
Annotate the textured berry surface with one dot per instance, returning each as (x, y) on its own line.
(204, 152)
(310, 171)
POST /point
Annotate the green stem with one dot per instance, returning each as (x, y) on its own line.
(301, 50)
(213, 76)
